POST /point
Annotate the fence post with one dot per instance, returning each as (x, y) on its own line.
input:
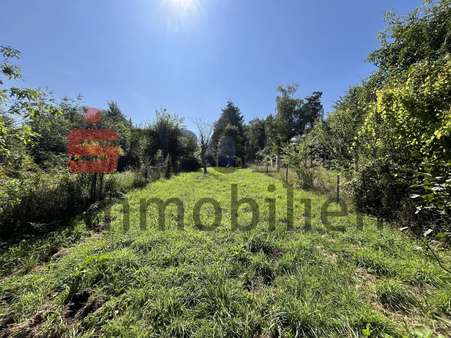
(338, 188)
(286, 174)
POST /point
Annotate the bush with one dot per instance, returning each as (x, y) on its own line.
(40, 201)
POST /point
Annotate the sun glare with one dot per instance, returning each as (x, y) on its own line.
(181, 13)
(182, 6)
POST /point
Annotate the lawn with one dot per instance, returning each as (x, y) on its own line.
(324, 280)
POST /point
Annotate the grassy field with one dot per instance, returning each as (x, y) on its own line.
(257, 283)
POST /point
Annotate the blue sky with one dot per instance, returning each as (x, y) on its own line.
(191, 56)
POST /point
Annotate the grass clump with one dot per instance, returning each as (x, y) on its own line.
(394, 295)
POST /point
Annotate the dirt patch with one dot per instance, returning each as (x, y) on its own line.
(263, 275)
(270, 250)
(364, 279)
(60, 253)
(81, 304)
(24, 329)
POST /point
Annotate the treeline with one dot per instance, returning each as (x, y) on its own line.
(235, 143)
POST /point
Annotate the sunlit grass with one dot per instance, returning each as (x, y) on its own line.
(228, 283)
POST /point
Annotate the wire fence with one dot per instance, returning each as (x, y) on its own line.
(321, 180)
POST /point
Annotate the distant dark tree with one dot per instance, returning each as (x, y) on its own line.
(227, 147)
(187, 148)
(293, 117)
(164, 135)
(272, 138)
(230, 118)
(312, 111)
(135, 156)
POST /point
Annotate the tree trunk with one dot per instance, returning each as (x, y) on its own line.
(93, 192)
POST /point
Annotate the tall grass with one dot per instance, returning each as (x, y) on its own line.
(43, 201)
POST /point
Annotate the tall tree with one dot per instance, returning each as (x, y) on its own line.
(231, 130)
(114, 118)
(257, 138)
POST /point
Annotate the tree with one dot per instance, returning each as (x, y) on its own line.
(294, 115)
(392, 133)
(205, 132)
(288, 117)
(18, 104)
(229, 143)
(168, 136)
(114, 118)
(256, 137)
(422, 35)
(230, 118)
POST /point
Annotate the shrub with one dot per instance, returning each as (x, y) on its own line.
(40, 201)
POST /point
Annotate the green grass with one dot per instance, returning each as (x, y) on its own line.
(257, 283)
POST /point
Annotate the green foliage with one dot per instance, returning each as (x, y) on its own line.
(257, 138)
(18, 104)
(405, 133)
(391, 135)
(300, 157)
(167, 136)
(422, 35)
(294, 116)
(42, 202)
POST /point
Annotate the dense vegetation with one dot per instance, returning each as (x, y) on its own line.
(392, 134)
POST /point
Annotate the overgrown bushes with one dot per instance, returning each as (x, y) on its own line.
(392, 134)
(43, 201)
